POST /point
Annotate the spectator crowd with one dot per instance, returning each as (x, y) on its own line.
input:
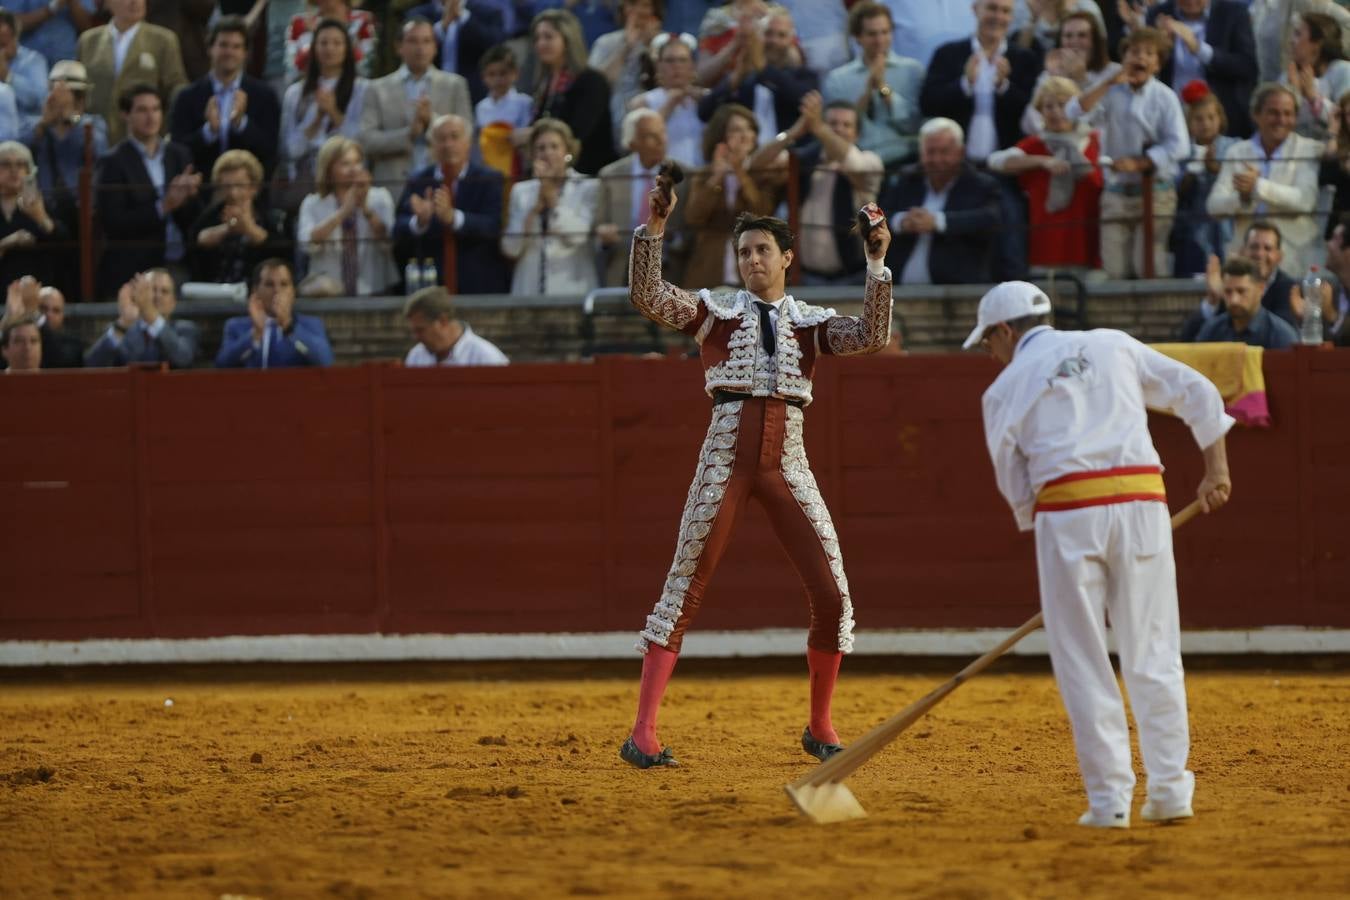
(327, 148)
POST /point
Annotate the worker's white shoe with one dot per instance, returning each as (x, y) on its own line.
(1157, 812)
(1104, 820)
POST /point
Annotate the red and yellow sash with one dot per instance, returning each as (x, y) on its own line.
(1120, 485)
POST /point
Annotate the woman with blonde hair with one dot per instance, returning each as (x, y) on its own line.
(568, 90)
(345, 226)
(236, 232)
(25, 225)
(548, 231)
(1060, 173)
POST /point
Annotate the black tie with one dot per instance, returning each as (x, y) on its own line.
(766, 335)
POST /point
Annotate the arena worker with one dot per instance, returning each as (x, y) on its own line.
(1067, 430)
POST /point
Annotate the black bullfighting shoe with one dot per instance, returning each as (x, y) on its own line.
(630, 754)
(819, 749)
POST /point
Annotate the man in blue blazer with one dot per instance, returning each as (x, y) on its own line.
(1212, 41)
(470, 205)
(273, 335)
(228, 109)
(945, 214)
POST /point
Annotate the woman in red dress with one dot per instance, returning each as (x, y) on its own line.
(1060, 173)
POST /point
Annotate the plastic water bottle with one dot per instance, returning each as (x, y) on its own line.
(429, 276)
(1311, 331)
(412, 277)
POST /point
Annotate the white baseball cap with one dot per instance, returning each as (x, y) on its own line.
(1005, 302)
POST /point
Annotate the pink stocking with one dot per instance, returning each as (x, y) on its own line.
(824, 672)
(657, 667)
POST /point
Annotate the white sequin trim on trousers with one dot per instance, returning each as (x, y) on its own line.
(797, 472)
(700, 509)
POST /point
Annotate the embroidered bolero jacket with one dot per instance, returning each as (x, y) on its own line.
(726, 327)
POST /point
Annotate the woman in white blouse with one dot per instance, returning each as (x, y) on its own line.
(677, 97)
(327, 102)
(549, 224)
(345, 226)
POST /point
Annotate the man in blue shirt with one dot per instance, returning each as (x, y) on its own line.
(1246, 319)
(23, 69)
(883, 85)
(52, 27)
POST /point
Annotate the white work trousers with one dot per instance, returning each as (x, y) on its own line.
(1116, 560)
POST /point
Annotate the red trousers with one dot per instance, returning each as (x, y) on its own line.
(754, 449)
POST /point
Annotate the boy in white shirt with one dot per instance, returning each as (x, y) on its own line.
(503, 102)
(1145, 137)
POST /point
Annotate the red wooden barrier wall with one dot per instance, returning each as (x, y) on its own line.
(545, 498)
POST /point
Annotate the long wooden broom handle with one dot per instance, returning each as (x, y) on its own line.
(841, 765)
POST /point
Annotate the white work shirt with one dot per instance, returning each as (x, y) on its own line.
(1078, 401)
(469, 350)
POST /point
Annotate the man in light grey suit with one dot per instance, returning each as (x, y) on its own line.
(621, 199)
(400, 107)
(145, 330)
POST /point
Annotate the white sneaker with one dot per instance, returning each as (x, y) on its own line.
(1104, 820)
(1156, 812)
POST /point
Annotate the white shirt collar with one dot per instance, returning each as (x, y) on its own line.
(639, 169)
(120, 35)
(978, 48)
(1261, 147)
(774, 303)
(217, 85)
(406, 74)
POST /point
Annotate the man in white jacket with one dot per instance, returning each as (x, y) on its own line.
(1273, 176)
(1067, 429)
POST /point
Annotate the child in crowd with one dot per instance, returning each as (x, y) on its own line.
(502, 118)
(1144, 138)
(1059, 172)
(503, 102)
(1196, 236)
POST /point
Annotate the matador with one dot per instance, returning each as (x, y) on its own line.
(759, 347)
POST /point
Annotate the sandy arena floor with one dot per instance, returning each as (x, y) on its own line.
(497, 781)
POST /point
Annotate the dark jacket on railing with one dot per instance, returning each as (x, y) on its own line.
(128, 211)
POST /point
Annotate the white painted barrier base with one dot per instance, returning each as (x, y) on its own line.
(603, 645)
